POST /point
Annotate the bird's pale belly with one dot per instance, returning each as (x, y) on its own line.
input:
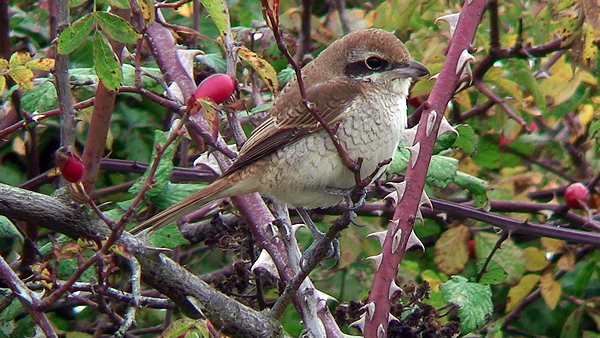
(315, 173)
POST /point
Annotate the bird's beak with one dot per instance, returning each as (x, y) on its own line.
(411, 68)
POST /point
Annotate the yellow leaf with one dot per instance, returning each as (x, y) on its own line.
(551, 290)
(186, 10)
(590, 51)
(451, 250)
(22, 76)
(517, 293)
(566, 261)
(18, 59)
(40, 64)
(262, 67)
(2, 83)
(3, 64)
(19, 146)
(552, 244)
(562, 84)
(536, 259)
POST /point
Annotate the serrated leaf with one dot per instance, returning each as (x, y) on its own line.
(550, 289)
(18, 59)
(22, 76)
(3, 64)
(219, 14)
(73, 36)
(147, 9)
(262, 67)
(494, 274)
(40, 98)
(124, 4)
(474, 302)
(116, 28)
(566, 261)
(2, 83)
(536, 259)
(167, 237)
(509, 256)
(517, 293)
(40, 64)
(106, 63)
(451, 250)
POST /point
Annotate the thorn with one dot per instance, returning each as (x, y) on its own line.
(396, 240)
(395, 196)
(393, 289)
(380, 331)
(369, 310)
(425, 201)
(265, 262)
(413, 240)
(325, 297)
(430, 122)
(445, 127)
(414, 153)
(376, 259)
(451, 19)
(380, 235)
(392, 318)
(360, 323)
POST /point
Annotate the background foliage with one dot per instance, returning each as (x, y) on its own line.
(528, 118)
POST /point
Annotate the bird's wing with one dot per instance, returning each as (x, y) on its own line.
(290, 119)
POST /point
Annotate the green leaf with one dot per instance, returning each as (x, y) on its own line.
(167, 237)
(116, 28)
(475, 185)
(219, 13)
(106, 63)
(124, 4)
(490, 156)
(474, 302)
(163, 171)
(76, 3)
(40, 98)
(572, 323)
(8, 230)
(73, 36)
(494, 274)
(466, 139)
(394, 14)
(510, 257)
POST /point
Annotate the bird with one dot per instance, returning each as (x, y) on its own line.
(359, 85)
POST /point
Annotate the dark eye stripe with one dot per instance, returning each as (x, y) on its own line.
(364, 67)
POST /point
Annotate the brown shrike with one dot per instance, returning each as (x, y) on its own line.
(359, 85)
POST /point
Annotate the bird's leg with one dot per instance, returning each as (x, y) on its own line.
(347, 194)
(318, 236)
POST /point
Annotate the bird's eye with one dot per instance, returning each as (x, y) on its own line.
(374, 62)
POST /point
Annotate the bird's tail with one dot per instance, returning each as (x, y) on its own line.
(217, 189)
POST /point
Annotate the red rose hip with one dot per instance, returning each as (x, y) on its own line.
(217, 87)
(577, 195)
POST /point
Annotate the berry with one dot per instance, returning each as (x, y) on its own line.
(217, 87)
(472, 253)
(577, 195)
(71, 166)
